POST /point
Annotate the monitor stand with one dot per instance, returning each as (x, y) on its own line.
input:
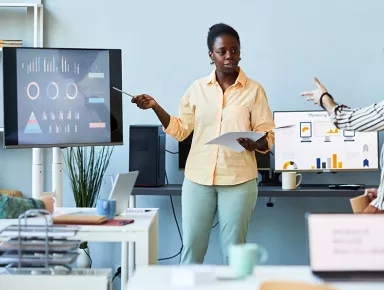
(305, 139)
(37, 174)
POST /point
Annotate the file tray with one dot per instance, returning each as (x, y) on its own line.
(76, 279)
(35, 245)
(38, 259)
(41, 247)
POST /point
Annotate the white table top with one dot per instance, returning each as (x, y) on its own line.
(159, 277)
(142, 221)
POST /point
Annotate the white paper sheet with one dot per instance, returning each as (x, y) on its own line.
(230, 139)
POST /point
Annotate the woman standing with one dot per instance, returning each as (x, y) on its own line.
(217, 178)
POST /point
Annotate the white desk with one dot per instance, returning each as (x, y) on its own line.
(143, 232)
(160, 279)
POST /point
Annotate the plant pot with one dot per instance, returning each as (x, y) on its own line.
(83, 260)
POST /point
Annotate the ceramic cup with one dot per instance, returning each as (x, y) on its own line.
(243, 258)
(106, 208)
(288, 180)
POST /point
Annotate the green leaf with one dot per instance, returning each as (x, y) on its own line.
(85, 167)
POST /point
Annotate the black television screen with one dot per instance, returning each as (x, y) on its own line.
(60, 97)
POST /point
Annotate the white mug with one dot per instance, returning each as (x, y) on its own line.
(288, 180)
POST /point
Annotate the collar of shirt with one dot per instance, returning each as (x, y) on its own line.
(241, 78)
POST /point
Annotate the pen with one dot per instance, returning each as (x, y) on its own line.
(284, 127)
(124, 223)
(132, 96)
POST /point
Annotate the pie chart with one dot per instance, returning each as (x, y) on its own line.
(289, 165)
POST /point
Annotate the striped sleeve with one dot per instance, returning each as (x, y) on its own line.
(365, 119)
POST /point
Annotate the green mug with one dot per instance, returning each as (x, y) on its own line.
(243, 258)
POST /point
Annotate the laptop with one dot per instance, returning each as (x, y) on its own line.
(122, 190)
(345, 247)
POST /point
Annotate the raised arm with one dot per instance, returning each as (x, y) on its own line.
(178, 127)
(365, 119)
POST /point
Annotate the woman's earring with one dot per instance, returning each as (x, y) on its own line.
(212, 62)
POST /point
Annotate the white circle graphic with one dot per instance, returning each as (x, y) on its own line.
(29, 93)
(57, 90)
(76, 91)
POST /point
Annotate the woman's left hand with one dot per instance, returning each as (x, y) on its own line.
(248, 144)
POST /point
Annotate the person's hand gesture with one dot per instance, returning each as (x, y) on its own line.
(49, 202)
(372, 193)
(144, 101)
(315, 94)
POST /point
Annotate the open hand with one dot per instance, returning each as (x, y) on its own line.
(248, 144)
(144, 101)
(372, 193)
(315, 94)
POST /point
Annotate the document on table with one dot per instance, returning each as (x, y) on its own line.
(229, 139)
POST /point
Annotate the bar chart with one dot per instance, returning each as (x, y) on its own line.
(328, 163)
(61, 128)
(50, 64)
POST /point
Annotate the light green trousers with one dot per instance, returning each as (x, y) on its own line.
(234, 206)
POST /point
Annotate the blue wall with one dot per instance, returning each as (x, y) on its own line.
(284, 44)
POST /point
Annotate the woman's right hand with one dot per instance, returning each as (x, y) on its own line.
(315, 94)
(144, 102)
(372, 193)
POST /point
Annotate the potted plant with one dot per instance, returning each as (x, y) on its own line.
(85, 167)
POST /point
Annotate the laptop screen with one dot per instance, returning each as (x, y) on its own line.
(345, 242)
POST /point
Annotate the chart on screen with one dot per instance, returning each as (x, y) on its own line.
(316, 144)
